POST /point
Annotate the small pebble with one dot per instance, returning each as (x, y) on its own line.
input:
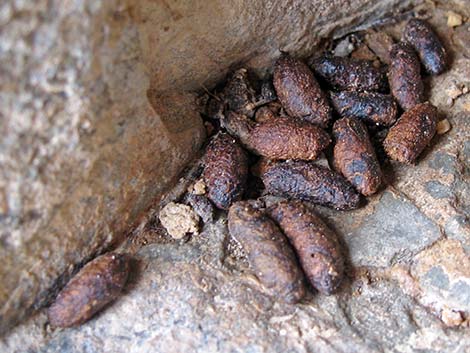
(179, 220)
(454, 91)
(443, 126)
(199, 188)
(454, 19)
(451, 318)
(344, 48)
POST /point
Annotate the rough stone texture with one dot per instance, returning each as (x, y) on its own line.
(83, 152)
(184, 298)
(191, 53)
(195, 296)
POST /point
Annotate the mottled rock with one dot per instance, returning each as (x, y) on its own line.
(442, 272)
(88, 144)
(394, 232)
(438, 190)
(186, 300)
(443, 162)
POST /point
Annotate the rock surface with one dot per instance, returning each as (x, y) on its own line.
(84, 152)
(408, 275)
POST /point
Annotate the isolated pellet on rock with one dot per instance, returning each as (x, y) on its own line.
(97, 284)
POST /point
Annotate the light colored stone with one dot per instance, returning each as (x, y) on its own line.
(179, 220)
(199, 187)
(451, 318)
(454, 19)
(343, 48)
(443, 126)
(454, 91)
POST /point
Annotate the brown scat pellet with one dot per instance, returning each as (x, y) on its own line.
(412, 133)
(238, 125)
(285, 138)
(201, 205)
(271, 110)
(350, 74)
(404, 76)
(310, 182)
(264, 114)
(238, 94)
(370, 107)
(268, 251)
(225, 171)
(278, 138)
(268, 92)
(316, 245)
(354, 156)
(97, 284)
(299, 92)
(427, 44)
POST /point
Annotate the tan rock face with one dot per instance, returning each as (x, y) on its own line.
(83, 151)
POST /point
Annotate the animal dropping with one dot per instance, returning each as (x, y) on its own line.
(370, 107)
(268, 251)
(310, 182)
(299, 92)
(427, 44)
(412, 133)
(315, 244)
(225, 172)
(238, 94)
(97, 284)
(354, 156)
(279, 138)
(405, 76)
(343, 73)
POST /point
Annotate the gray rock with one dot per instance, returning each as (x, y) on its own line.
(438, 190)
(393, 233)
(458, 228)
(182, 302)
(444, 162)
(461, 292)
(436, 277)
